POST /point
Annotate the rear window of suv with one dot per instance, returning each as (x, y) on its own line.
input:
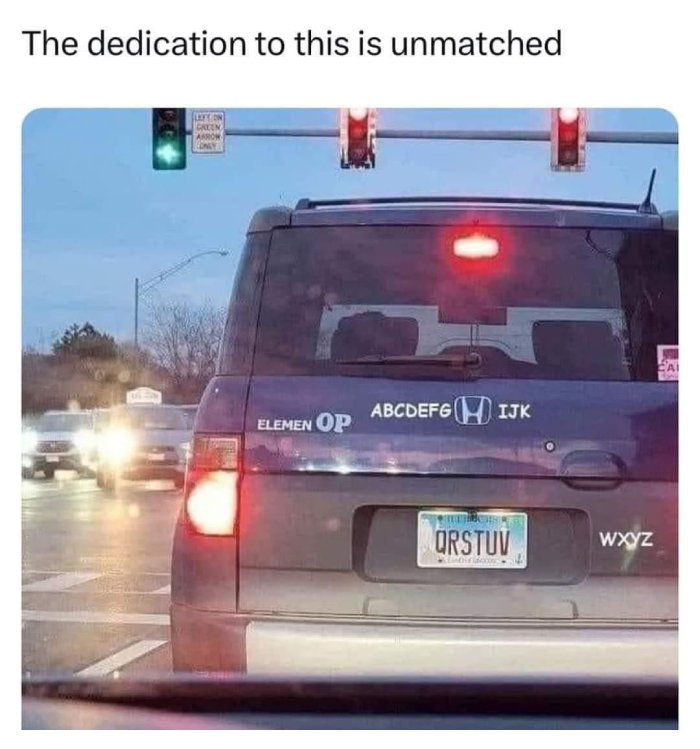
(553, 303)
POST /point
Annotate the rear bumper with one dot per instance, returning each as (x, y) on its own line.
(214, 641)
(141, 470)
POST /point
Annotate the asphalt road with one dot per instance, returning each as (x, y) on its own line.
(96, 576)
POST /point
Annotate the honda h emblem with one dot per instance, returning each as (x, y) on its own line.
(472, 409)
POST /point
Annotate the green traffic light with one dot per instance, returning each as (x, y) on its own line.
(169, 139)
(169, 155)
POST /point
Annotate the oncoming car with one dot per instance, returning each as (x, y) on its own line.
(441, 440)
(142, 442)
(60, 440)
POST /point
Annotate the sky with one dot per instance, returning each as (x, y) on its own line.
(96, 215)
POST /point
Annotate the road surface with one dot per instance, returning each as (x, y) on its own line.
(96, 576)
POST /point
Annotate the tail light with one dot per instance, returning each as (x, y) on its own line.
(211, 487)
(212, 504)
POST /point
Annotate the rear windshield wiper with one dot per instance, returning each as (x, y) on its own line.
(471, 359)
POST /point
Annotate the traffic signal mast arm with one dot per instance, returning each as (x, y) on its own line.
(358, 135)
(600, 136)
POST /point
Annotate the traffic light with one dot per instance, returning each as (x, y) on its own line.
(169, 139)
(358, 137)
(568, 140)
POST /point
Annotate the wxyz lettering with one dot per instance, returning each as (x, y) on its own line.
(629, 539)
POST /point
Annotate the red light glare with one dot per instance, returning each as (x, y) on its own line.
(568, 116)
(211, 506)
(357, 130)
(475, 247)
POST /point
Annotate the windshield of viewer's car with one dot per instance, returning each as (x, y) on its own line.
(287, 420)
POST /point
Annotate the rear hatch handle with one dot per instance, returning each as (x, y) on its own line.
(593, 470)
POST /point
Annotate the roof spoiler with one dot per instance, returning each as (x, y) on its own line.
(306, 204)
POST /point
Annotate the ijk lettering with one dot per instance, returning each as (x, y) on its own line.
(514, 411)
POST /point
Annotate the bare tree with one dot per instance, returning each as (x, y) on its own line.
(183, 339)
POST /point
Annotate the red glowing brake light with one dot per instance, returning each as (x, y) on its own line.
(475, 247)
(211, 488)
(212, 504)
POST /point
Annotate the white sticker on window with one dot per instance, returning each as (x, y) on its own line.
(667, 363)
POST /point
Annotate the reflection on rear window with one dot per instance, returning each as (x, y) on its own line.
(554, 303)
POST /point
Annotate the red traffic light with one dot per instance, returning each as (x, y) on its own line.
(568, 139)
(358, 136)
(568, 116)
(358, 114)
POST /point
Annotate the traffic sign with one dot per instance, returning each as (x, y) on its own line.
(144, 395)
(208, 132)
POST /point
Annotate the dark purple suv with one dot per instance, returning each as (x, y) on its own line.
(442, 440)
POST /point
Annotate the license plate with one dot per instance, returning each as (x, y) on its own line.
(52, 459)
(481, 539)
(156, 456)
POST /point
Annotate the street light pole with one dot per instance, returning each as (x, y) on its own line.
(136, 313)
(143, 287)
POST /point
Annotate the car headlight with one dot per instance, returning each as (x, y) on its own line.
(84, 440)
(117, 445)
(29, 441)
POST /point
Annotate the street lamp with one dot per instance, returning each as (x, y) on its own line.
(143, 287)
